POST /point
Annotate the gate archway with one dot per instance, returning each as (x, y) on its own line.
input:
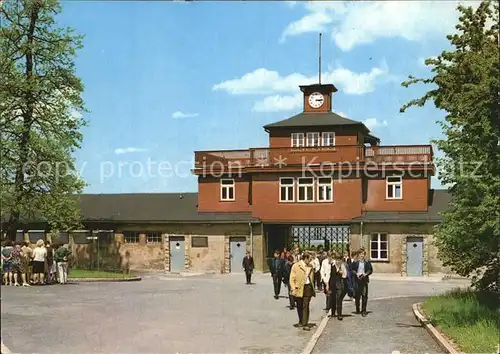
(331, 237)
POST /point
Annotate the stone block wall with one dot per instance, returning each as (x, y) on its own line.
(258, 252)
(227, 255)
(156, 256)
(397, 236)
(166, 252)
(207, 258)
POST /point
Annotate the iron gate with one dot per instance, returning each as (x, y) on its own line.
(333, 238)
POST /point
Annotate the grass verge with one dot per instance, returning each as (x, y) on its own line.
(468, 318)
(94, 274)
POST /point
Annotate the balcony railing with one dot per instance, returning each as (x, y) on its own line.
(311, 156)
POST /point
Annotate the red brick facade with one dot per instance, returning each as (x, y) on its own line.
(316, 143)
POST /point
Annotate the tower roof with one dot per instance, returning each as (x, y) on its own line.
(320, 87)
(310, 119)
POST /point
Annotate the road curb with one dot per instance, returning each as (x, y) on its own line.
(438, 337)
(315, 337)
(102, 280)
(4, 349)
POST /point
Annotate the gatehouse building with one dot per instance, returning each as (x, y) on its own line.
(323, 180)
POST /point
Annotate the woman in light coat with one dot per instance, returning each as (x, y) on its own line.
(315, 264)
(326, 267)
(39, 256)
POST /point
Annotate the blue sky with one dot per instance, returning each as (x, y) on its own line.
(163, 79)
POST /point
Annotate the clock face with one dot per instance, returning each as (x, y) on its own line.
(316, 100)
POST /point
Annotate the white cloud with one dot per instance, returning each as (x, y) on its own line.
(373, 123)
(127, 150)
(181, 115)
(263, 81)
(281, 91)
(278, 103)
(352, 24)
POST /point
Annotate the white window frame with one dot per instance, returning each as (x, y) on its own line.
(227, 187)
(154, 237)
(330, 136)
(392, 185)
(288, 186)
(297, 140)
(322, 191)
(379, 248)
(314, 141)
(306, 185)
(131, 237)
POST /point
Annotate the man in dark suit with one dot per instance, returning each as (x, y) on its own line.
(276, 268)
(350, 280)
(287, 268)
(248, 267)
(361, 270)
(337, 285)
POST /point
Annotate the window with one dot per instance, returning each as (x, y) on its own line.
(378, 247)
(227, 189)
(394, 186)
(199, 241)
(306, 190)
(35, 235)
(131, 236)
(328, 139)
(297, 139)
(312, 139)
(286, 190)
(325, 189)
(81, 237)
(153, 237)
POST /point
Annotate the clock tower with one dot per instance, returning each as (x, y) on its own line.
(318, 98)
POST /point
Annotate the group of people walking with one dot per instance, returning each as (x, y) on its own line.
(44, 264)
(308, 272)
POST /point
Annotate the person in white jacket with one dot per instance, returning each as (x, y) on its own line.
(316, 266)
(326, 267)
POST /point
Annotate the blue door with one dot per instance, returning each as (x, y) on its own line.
(237, 251)
(177, 253)
(414, 256)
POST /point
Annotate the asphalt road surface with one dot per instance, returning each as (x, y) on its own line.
(389, 327)
(200, 314)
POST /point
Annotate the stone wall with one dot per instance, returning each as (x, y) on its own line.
(146, 256)
(207, 258)
(142, 255)
(216, 257)
(397, 235)
(259, 257)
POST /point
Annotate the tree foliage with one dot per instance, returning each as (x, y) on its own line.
(40, 116)
(466, 84)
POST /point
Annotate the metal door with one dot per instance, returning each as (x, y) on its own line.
(237, 251)
(414, 256)
(177, 253)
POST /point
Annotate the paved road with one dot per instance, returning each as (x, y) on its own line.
(389, 327)
(159, 314)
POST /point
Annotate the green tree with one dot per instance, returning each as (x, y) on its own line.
(466, 86)
(40, 116)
